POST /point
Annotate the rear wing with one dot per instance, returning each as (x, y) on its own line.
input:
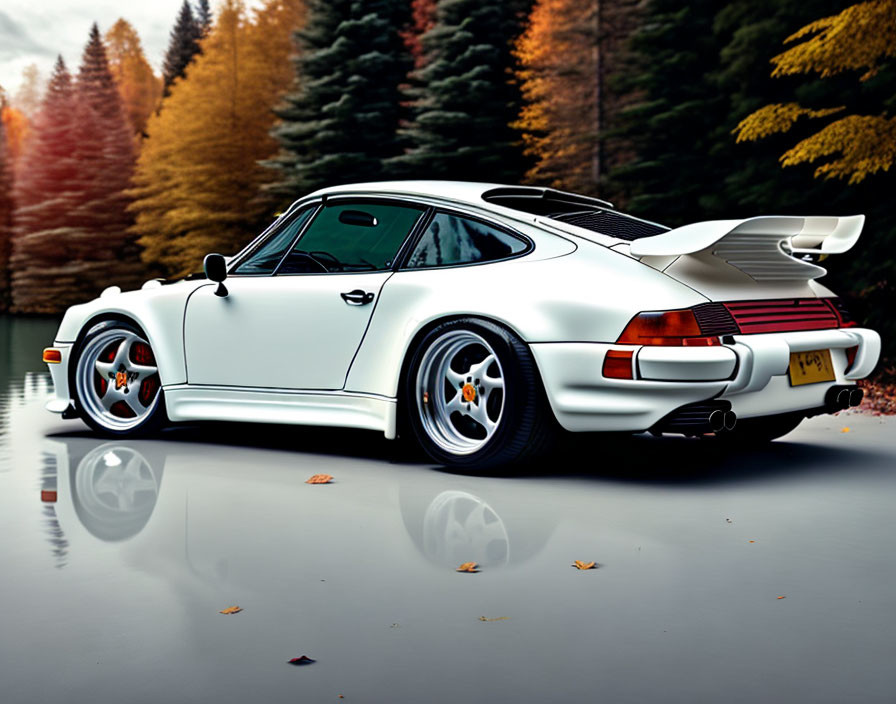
(767, 248)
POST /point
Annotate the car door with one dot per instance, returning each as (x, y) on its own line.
(298, 306)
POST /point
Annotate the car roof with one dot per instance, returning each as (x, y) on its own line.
(469, 192)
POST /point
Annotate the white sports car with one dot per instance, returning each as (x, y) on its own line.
(478, 318)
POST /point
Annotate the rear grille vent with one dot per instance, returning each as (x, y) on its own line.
(714, 319)
(611, 224)
(783, 315)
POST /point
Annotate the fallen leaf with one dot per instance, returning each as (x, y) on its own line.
(579, 565)
(782, 597)
(304, 660)
(728, 520)
(845, 430)
(497, 618)
(468, 567)
(320, 479)
(751, 541)
(231, 610)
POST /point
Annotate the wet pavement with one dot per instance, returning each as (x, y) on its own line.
(118, 555)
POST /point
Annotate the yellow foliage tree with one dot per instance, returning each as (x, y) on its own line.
(860, 38)
(15, 124)
(139, 87)
(197, 180)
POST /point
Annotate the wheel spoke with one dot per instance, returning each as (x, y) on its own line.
(121, 354)
(478, 370)
(142, 370)
(456, 404)
(480, 415)
(105, 369)
(491, 383)
(111, 397)
(456, 379)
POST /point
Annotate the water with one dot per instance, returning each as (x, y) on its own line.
(117, 556)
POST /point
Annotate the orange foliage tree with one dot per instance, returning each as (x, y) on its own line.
(139, 87)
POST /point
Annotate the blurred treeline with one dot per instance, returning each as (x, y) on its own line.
(677, 111)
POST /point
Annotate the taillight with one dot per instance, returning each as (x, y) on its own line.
(618, 364)
(677, 328)
(52, 356)
(840, 310)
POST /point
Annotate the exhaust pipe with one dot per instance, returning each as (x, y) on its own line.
(856, 396)
(730, 420)
(717, 421)
(839, 398)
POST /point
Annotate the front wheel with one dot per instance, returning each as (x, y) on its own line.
(116, 381)
(473, 397)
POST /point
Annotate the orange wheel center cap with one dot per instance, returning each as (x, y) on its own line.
(121, 379)
(469, 392)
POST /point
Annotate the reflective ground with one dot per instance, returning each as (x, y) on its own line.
(118, 555)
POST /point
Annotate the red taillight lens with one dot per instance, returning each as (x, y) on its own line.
(48, 497)
(672, 327)
(843, 317)
(618, 364)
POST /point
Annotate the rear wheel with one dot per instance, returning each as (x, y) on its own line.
(761, 430)
(116, 381)
(473, 396)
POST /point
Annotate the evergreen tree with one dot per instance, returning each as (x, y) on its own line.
(139, 87)
(340, 122)
(198, 176)
(43, 264)
(465, 96)
(183, 45)
(28, 96)
(203, 17)
(423, 19)
(6, 210)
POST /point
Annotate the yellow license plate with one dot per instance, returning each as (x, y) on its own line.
(811, 367)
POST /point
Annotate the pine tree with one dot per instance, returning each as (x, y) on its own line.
(183, 45)
(140, 89)
(465, 96)
(204, 17)
(28, 96)
(198, 177)
(423, 19)
(6, 211)
(43, 265)
(340, 123)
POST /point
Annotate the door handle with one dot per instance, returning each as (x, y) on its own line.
(357, 297)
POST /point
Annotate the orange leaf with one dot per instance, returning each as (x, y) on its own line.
(782, 597)
(320, 479)
(751, 541)
(231, 610)
(845, 430)
(579, 565)
(468, 567)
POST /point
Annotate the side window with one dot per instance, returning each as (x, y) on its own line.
(266, 258)
(451, 240)
(346, 237)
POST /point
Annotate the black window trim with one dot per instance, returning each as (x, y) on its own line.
(262, 240)
(401, 263)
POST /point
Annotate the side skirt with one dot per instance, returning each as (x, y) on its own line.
(248, 405)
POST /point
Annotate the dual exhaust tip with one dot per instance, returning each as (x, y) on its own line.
(839, 398)
(720, 420)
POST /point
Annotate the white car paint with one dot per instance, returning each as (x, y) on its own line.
(289, 349)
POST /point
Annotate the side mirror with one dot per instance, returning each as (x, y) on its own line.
(215, 266)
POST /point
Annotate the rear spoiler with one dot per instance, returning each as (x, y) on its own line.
(767, 248)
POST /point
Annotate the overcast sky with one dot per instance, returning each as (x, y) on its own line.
(35, 31)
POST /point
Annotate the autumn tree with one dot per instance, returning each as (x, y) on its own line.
(423, 19)
(140, 89)
(28, 96)
(15, 125)
(340, 122)
(198, 177)
(464, 96)
(566, 54)
(183, 45)
(42, 264)
(6, 210)
(861, 38)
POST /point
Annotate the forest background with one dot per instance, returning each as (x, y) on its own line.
(675, 111)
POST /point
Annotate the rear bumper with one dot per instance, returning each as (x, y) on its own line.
(751, 373)
(62, 399)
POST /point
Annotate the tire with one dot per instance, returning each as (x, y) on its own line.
(474, 399)
(752, 431)
(115, 381)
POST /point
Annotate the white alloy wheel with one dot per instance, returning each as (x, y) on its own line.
(460, 392)
(117, 380)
